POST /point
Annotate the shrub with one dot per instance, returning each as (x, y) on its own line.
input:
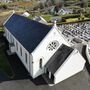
(3, 6)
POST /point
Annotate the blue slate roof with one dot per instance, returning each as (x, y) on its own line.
(28, 32)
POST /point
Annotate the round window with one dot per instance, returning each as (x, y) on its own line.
(53, 45)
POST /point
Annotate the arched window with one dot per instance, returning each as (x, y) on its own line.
(26, 58)
(17, 46)
(40, 63)
(21, 51)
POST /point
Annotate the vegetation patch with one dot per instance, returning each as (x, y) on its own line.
(47, 17)
(4, 64)
(1, 29)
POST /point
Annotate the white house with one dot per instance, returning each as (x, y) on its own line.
(40, 19)
(26, 14)
(60, 11)
(38, 46)
(64, 11)
(65, 62)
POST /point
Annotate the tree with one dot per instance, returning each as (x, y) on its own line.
(53, 1)
(4, 6)
(41, 6)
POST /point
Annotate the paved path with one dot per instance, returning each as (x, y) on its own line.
(81, 81)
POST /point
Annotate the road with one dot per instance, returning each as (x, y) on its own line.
(81, 81)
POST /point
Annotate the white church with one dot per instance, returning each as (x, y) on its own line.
(42, 49)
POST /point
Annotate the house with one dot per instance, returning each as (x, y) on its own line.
(40, 19)
(29, 38)
(42, 49)
(60, 10)
(64, 11)
(26, 14)
(65, 63)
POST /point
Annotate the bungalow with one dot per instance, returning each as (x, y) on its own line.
(42, 49)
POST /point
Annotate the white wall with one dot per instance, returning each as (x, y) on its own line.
(8, 35)
(42, 52)
(74, 64)
(22, 58)
(27, 65)
(39, 52)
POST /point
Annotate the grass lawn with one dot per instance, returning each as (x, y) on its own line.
(1, 30)
(87, 9)
(47, 17)
(31, 16)
(4, 64)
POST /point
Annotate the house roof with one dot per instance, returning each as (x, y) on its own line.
(28, 32)
(58, 58)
